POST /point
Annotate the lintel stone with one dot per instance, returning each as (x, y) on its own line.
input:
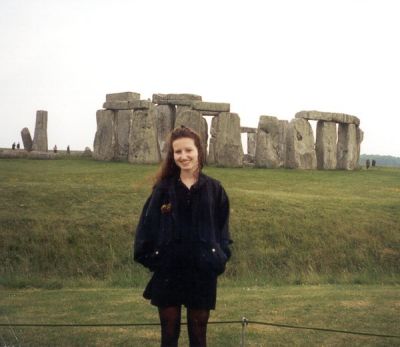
(175, 99)
(126, 96)
(248, 130)
(328, 117)
(211, 106)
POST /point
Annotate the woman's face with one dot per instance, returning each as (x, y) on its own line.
(186, 155)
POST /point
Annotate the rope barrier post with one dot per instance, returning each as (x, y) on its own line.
(244, 324)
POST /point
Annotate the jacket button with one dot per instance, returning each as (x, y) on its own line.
(156, 252)
(213, 249)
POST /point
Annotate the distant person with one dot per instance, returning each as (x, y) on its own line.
(55, 149)
(13, 146)
(367, 164)
(373, 162)
(68, 150)
(18, 145)
(183, 238)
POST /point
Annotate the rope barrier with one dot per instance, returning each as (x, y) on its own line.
(244, 322)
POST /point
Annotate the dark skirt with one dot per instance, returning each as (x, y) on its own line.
(178, 282)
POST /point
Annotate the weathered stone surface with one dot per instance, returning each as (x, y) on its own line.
(143, 144)
(122, 126)
(251, 144)
(175, 99)
(40, 135)
(204, 137)
(300, 152)
(248, 130)
(283, 129)
(325, 145)
(347, 147)
(140, 104)
(213, 140)
(228, 151)
(26, 139)
(105, 141)
(118, 105)
(127, 105)
(267, 143)
(193, 120)
(209, 113)
(182, 108)
(126, 96)
(165, 120)
(360, 138)
(328, 117)
(211, 106)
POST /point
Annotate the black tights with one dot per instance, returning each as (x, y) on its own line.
(170, 318)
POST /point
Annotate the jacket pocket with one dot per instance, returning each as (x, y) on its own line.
(210, 258)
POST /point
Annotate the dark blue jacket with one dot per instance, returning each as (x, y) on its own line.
(210, 222)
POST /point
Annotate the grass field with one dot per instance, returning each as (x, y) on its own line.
(312, 248)
(75, 219)
(372, 309)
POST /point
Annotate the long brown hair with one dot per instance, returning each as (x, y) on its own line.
(168, 167)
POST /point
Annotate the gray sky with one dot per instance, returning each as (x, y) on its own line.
(263, 57)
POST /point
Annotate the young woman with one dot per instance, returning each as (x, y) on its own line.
(183, 237)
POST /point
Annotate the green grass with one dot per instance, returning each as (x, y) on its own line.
(71, 222)
(373, 309)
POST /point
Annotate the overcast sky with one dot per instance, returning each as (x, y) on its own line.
(263, 57)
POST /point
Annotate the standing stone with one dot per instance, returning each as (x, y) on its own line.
(165, 120)
(213, 141)
(123, 124)
(204, 137)
(193, 120)
(228, 151)
(26, 139)
(360, 138)
(267, 142)
(105, 141)
(40, 135)
(300, 152)
(180, 109)
(325, 146)
(283, 128)
(143, 144)
(251, 144)
(347, 147)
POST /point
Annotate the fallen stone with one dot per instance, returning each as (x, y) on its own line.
(40, 135)
(326, 144)
(126, 96)
(26, 139)
(105, 141)
(328, 117)
(211, 106)
(300, 152)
